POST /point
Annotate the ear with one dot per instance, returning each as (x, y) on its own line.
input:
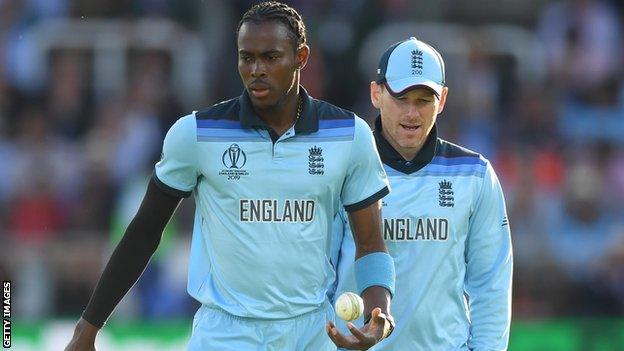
(302, 56)
(375, 94)
(442, 99)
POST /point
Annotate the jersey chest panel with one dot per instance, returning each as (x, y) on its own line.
(288, 169)
(427, 210)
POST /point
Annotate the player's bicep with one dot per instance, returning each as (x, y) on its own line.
(366, 228)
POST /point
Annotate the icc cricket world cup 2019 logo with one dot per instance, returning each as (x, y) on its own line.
(234, 157)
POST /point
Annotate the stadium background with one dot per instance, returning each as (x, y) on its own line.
(88, 89)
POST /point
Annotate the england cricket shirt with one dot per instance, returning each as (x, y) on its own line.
(265, 207)
(446, 227)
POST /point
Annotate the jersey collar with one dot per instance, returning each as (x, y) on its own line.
(392, 158)
(307, 123)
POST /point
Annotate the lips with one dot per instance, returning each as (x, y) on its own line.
(259, 90)
(410, 128)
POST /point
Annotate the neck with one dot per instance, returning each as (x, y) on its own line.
(283, 115)
(408, 153)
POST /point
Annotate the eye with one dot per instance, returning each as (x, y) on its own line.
(246, 58)
(273, 57)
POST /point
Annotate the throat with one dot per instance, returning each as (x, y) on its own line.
(408, 153)
(280, 120)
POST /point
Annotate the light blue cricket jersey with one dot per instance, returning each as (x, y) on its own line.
(445, 225)
(262, 230)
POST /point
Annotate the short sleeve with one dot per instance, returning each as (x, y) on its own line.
(176, 172)
(366, 180)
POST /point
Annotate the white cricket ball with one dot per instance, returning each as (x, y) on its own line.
(349, 306)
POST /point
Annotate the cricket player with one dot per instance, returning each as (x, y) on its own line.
(444, 223)
(268, 171)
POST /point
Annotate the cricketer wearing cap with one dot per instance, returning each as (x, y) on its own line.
(268, 171)
(445, 223)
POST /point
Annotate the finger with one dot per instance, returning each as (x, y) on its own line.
(377, 325)
(341, 340)
(360, 335)
(328, 327)
(378, 317)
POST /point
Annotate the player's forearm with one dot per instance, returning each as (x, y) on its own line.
(488, 284)
(123, 269)
(131, 255)
(83, 338)
(85, 330)
(490, 310)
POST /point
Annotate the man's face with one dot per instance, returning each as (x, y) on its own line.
(268, 62)
(408, 119)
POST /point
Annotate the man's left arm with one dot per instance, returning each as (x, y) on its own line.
(489, 264)
(366, 228)
(374, 271)
(364, 186)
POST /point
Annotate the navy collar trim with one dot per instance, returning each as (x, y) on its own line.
(392, 158)
(307, 122)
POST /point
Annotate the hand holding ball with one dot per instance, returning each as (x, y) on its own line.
(349, 306)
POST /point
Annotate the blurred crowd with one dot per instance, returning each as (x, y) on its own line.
(89, 88)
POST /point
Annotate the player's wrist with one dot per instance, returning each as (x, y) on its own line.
(389, 324)
(84, 329)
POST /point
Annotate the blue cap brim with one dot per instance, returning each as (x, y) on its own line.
(402, 86)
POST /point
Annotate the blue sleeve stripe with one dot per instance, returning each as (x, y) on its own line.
(465, 160)
(218, 123)
(336, 123)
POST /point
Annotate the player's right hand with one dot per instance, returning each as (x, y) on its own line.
(84, 337)
(361, 339)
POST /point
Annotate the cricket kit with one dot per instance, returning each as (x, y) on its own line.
(260, 254)
(446, 227)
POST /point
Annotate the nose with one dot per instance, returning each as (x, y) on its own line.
(412, 111)
(258, 69)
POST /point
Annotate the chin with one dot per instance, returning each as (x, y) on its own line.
(263, 104)
(410, 143)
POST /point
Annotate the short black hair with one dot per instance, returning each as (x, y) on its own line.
(276, 11)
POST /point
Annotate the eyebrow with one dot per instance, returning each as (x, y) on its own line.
(427, 95)
(269, 52)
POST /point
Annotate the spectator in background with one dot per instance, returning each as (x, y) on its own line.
(581, 230)
(140, 128)
(68, 101)
(531, 143)
(584, 47)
